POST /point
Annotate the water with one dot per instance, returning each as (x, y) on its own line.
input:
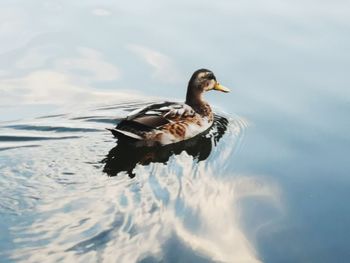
(268, 183)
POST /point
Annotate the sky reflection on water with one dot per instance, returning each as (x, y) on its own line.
(286, 64)
(63, 208)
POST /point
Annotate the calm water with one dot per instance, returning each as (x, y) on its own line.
(268, 183)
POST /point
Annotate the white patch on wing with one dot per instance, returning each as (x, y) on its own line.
(129, 134)
(164, 109)
(134, 112)
(152, 112)
(178, 106)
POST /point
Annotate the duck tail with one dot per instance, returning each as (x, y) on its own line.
(120, 134)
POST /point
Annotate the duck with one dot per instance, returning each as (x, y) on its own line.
(168, 122)
(125, 156)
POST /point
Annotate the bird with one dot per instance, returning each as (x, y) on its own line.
(124, 157)
(168, 122)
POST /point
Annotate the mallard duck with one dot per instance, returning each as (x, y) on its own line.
(125, 156)
(171, 122)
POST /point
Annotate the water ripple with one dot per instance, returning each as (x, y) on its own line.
(63, 207)
(18, 138)
(50, 128)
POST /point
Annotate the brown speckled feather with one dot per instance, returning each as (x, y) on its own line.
(167, 124)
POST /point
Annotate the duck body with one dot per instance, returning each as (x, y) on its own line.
(125, 156)
(164, 123)
(171, 122)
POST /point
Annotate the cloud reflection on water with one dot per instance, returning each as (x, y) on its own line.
(125, 225)
(55, 88)
(48, 80)
(288, 59)
(193, 206)
(164, 68)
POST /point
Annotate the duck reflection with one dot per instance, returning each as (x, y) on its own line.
(125, 156)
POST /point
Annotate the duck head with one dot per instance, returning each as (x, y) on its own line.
(201, 81)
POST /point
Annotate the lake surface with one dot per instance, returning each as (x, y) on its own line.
(268, 183)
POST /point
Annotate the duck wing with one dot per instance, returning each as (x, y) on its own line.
(150, 118)
(166, 109)
(157, 115)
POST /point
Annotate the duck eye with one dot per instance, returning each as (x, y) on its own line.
(210, 75)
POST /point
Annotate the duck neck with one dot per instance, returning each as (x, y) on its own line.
(194, 98)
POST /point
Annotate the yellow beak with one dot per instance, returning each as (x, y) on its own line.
(221, 88)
